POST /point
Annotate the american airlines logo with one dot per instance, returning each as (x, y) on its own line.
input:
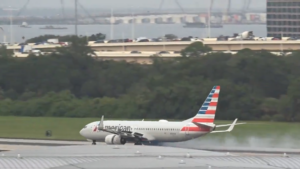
(122, 128)
(116, 128)
(95, 129)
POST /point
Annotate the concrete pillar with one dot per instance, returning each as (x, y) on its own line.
(138, 20)
(152, 20)
(145, 20)
(183, 19)
(177, 20)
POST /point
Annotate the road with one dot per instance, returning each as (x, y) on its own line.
(271, 45)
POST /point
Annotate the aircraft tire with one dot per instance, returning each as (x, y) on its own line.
(94, 142)
(123, 141)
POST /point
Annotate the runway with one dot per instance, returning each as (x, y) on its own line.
(143, 157)
(12, 144)
(46, 154)
(252, 150)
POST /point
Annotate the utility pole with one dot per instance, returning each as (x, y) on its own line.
(208, 18)
(281, 47)
(11, 30)
(10, 10)
(76, 18)
(111, 24)
(4, 36)
(123, 42)
(132, 26)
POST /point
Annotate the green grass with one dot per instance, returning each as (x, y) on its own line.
(258, 134)
(68, 129)
(35, 127)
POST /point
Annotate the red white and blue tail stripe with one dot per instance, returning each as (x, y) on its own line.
(207, 112)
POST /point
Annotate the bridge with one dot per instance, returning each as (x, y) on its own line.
(245, 15)
(247, 18)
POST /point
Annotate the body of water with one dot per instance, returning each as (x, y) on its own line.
(129, 31)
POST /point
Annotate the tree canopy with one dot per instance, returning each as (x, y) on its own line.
(66, 38)
(70, 83)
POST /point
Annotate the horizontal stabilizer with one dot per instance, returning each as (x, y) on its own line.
(228, 130)
(226, 125)
(205, 125)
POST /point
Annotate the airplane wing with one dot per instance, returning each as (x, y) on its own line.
(228, 130)
(125, 134)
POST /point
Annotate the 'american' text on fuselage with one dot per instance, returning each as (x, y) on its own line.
(122, 128)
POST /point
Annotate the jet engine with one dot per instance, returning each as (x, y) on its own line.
(114, 139)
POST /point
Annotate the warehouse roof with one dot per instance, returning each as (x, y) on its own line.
(130, 156)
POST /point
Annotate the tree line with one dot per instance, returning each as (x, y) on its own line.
(66, 38)
(255, 85)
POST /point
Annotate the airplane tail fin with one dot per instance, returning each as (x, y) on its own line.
(206, 114)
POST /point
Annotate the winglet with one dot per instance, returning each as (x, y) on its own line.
(101, 125)
(232, 126)
(228, 130)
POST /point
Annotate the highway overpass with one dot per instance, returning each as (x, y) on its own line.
(273, 46)
(141, 58)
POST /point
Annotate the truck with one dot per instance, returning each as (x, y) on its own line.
(246, 35)
(53, 41)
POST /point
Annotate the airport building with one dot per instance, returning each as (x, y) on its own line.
(140, 157)
(283, 18)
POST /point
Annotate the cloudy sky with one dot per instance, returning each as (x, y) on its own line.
(126, 4)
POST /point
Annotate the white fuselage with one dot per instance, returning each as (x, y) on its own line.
(161, 131)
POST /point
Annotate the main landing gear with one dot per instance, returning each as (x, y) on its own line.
(94, 142)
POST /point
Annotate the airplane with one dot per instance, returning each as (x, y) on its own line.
(157, 132)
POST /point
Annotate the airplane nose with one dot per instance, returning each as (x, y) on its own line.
(81, 132)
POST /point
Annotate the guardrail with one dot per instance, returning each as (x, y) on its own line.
(122, 55)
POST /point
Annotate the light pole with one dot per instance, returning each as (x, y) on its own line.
(4, 37)
(10, 9)
(132, 25)
(111, 24)
(208, 19)
(76, 17)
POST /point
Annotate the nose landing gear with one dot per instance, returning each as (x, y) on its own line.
(94, 142)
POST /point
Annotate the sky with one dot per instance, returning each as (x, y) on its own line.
(127, 4)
